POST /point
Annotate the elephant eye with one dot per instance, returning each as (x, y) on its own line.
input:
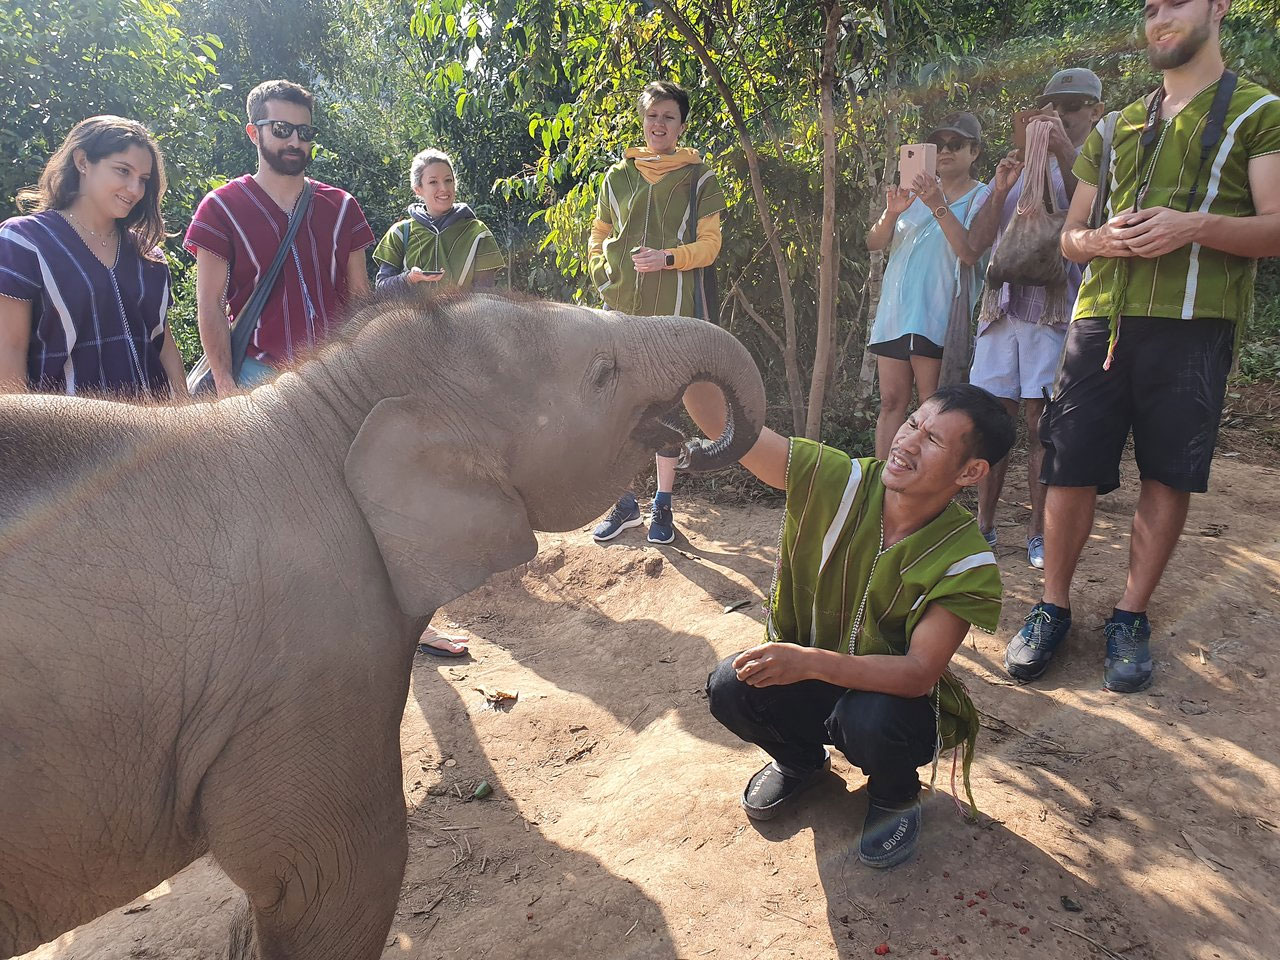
(602, 372)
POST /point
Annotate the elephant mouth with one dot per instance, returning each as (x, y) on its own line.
(659, 430)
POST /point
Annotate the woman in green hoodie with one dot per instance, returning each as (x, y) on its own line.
(442, 241)
(657, 227)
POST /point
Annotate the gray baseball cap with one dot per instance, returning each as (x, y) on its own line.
(1076, 80)
(965, 124)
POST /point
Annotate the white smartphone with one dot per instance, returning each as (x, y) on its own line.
(915, 159)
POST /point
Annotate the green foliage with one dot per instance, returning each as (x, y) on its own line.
(64, 60)
(1260, 342)
(536, 98)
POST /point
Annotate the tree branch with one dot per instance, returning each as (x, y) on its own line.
(763, 207)
(761, 321)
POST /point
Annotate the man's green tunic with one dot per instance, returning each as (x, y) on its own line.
(829, 560)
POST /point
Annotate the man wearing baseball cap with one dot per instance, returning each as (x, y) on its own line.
(1192, 199)
(1017, 350)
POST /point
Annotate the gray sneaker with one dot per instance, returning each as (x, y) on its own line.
(1035, 552)
(624, 515)
(1029, 652)
(1128, 666)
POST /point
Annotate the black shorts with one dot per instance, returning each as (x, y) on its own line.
(1166, 382)
(905, 347)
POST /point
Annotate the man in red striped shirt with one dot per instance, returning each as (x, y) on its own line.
(238, 227)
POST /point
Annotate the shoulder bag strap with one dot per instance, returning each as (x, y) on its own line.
(691, 234)
(408, 232)
(1104, 170)
(247, 320)
(1213, 126)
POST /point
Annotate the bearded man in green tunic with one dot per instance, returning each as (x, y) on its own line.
(879, 577)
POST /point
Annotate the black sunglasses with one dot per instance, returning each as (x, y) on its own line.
(1073, 105)
(955, 145)
(283, 129)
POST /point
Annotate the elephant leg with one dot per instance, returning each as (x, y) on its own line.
(317, 843)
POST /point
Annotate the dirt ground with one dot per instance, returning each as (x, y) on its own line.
(1143, 827)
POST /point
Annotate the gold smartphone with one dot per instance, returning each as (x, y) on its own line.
(1020, 120)
(915, 159)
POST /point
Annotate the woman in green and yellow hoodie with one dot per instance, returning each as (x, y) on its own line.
(441, 242)
(657, 227)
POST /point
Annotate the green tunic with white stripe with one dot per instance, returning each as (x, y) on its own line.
(656, 216)
(829, 561)
(1192, 282)
(462, 250)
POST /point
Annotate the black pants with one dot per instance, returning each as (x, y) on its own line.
(888, 737)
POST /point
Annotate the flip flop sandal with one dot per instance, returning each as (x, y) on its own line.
(427, 648)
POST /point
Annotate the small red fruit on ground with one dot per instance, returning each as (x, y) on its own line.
(1024, 930)
(883, 950)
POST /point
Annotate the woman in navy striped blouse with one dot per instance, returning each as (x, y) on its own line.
(84, 287)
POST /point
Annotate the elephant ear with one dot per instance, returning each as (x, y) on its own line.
(444, 521)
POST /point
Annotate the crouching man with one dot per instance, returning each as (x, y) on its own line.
(879, 577)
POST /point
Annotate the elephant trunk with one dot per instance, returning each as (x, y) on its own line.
(694, 351)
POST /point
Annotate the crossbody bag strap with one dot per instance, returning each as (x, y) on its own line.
(691, 234)
(1098, 216)
(1211, 136)
(247, 319)
(691, 229)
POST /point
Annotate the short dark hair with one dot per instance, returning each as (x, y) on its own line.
(255, 105)
(992, 434)
(665, 90)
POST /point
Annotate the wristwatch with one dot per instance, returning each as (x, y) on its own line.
(671, 259)
(941, 211)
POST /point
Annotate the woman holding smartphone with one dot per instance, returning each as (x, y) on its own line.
(657, 228)
(441, 242)
(925, 226)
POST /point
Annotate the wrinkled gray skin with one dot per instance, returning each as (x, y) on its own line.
(208, 613)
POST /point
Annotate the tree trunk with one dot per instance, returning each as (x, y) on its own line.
(875, 269)
(828, 257)
(790, 356)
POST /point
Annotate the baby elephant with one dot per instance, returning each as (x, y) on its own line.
(208, 613)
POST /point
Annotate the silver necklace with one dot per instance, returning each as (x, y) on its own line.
(75, 222)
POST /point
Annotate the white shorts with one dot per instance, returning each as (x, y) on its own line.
(1017, 360)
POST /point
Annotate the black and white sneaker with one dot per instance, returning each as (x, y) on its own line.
(625, 514)
(770, 791)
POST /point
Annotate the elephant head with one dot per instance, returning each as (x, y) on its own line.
(485, 419)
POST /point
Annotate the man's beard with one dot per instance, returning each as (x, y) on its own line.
(1181, 53)
(288, 162)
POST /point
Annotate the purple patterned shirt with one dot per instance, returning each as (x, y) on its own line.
(93, 329)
